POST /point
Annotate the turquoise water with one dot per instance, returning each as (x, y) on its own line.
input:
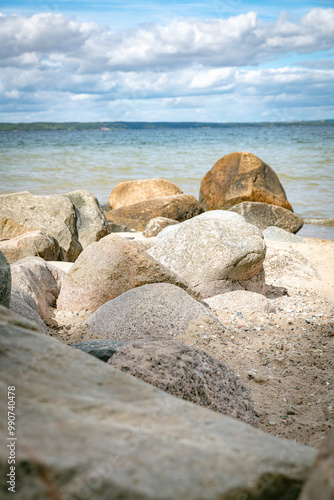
(51, 162)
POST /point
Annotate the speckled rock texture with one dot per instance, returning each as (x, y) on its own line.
(5, 281)
(34, 244)
(88, 430)
(213, 251)
(239, 177)
(264, 215)
(156, 225)
(153, 311)
(107, 269)
(187, 373)
(241, 300)
(287, 262)
(274, 233)
(131, 192)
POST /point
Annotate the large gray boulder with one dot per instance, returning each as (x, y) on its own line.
(34, 244)
(22, 303)
(5, 281)
(107, 269)
(87, 430)
(22, 213)
(274, 233)
(214, 252)
(187, 373)
(39, 279)
(91, 223)
(154, 311)
(264, 215)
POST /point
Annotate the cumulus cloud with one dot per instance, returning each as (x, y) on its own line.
(87, 64)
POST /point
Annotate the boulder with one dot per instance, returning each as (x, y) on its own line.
(213, 252)
(274, 233)
(132, 192)
(99, 348)
(55, 215)
(31, 244)
(155, 311)
(156, 225)
(187, 373)
(39, 279)
(264, 215)
(241, 300)
(179, 207)
(239, 177)
(22, 303)
(105, 270)
(91, 223)
(320, 484)
(5, 281)
(88, 430)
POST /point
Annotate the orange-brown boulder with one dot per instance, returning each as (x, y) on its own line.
(131, 192)
(239, 177)
(179, 207)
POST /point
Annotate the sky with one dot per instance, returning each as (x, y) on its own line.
(205, 61)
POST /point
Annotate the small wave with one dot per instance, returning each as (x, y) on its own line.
(321, 221)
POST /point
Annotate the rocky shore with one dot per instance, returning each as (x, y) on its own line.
(118, 326)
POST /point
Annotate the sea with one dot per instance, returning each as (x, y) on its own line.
(59, 161)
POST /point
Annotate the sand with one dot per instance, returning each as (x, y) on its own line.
(286, 358)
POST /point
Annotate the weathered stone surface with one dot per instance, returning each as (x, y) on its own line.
(178, 207)
(34, 244)
(5, 281)
(99, 348)
(241, 300)
(105, 270)
(156, 311)
(22, 303)
(213, 250)
(132, 192)
(264, 215)
(286, 262)
(239, 177)
(22, 213)
(187, 373)
(90, 222)
(89, 430)
(39, 279)
(156, 225)
(320, 484)
(274, 233)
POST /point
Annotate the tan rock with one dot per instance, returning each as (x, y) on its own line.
(156, 225)
(239, 177)
(31, 244)
(132, 192)
(179, 207)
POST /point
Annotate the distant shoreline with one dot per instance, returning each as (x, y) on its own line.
(121, 125)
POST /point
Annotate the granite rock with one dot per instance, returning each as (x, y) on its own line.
(34, 244)
(22, 303)
(241, 300)
(156, 225)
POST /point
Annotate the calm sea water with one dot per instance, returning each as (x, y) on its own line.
(61, 161)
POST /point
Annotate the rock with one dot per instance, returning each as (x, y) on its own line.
(320, 484)
(264, 215)
(156, 225)
(5, 281)
(187, 373)
(132, 192)
(155, 311)
(239, 177)
(101, 349)
(179, 207)
(118, 228)
(105, 270)
(274, 233)
(213, 252)
(286, 262)
(22, 213)
(241, 300)
(88, 430)
(31, 244)
(39, 279)
(91, 222)
(22, 303)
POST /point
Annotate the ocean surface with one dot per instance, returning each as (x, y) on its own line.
(49, 162)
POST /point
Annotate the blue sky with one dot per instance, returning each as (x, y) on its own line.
(219, 61)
